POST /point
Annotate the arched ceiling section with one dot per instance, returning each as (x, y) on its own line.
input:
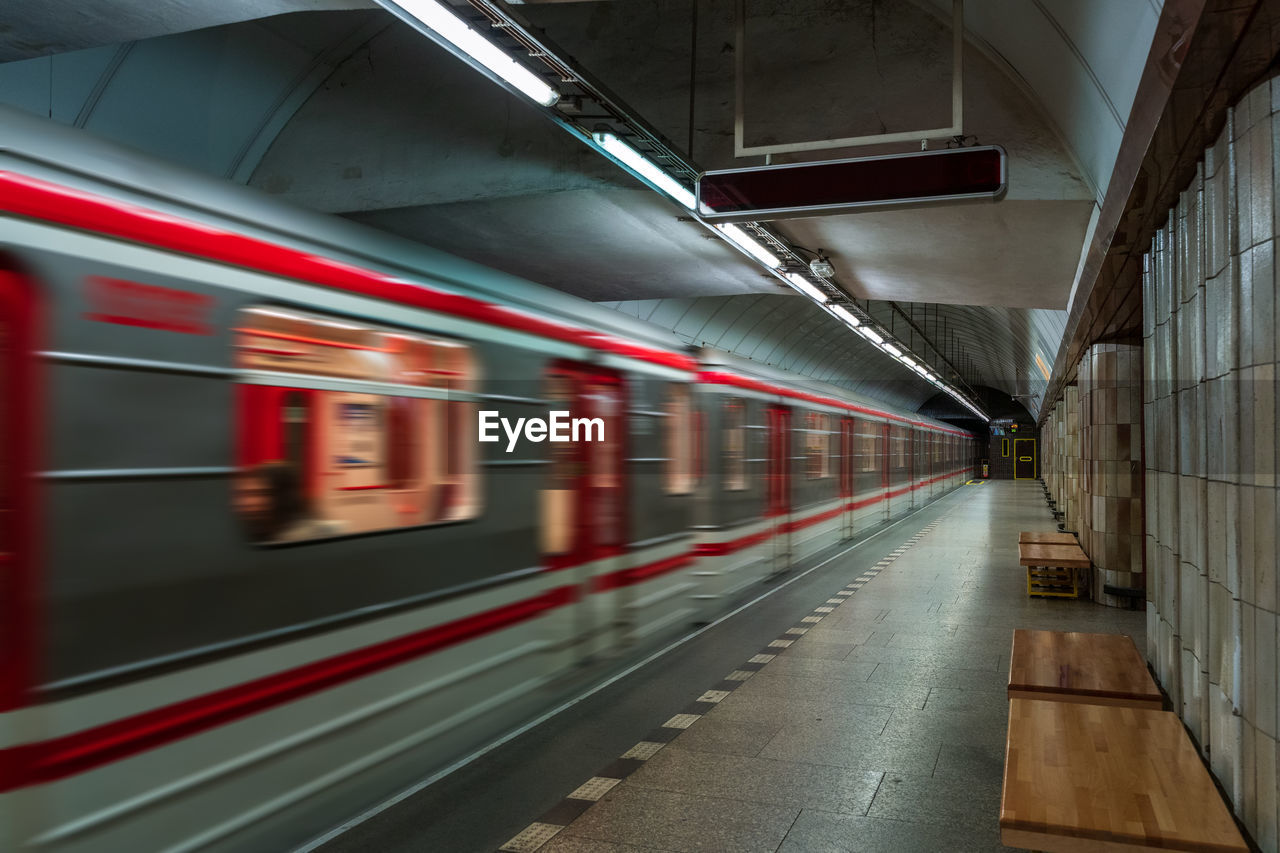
(987, 346)
(213, 99)
(1009, 349)
(790, 333)
(1080, 59)
(32, 28)
(345, 110)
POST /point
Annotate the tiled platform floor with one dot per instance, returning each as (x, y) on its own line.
(881, 729)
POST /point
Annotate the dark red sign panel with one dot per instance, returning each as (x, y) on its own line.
(149, 306)
(841, 186)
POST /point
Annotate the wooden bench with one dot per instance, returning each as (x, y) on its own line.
(1051, 568)
(1041, 537)
(1083, 777)
(1102, 669)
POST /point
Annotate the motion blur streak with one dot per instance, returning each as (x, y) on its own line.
(280, 578)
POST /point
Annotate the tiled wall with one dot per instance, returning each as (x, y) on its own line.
(1069, 503)
(1110, 393)
(1050, 447)
(1209, 323)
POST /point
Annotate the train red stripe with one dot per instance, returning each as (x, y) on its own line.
(39, 199)
(47, 761)
(718, 377)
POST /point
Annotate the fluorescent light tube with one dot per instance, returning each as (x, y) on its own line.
(645, 168)
(803, 285)
(870, 335)
(440, 20)
(747, 243)
(891, 349)
(846, 315)
(908, 361)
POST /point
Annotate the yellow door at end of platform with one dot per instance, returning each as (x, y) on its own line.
(1024, 459)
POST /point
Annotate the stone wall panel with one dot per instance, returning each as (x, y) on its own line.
(1210, 453)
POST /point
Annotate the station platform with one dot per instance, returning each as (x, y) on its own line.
(861, 708)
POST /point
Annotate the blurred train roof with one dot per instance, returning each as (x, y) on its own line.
(334, 106)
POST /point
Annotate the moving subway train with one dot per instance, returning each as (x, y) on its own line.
(259, 571)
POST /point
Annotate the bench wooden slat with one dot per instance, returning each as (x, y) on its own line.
(1103, 778)
(1066, 556)
(1044, 537)
(1067, 666)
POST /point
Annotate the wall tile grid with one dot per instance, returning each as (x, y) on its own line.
(1061, 456)
(1209, 400)
(1110, 390)
(1051, 454)
(1071, 458)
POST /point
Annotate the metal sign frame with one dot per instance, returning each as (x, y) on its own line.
(790, 212)
(741, 149)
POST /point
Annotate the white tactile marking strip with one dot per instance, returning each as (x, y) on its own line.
(644, 750)
(534, 836)
(594, 788)
(531, 838)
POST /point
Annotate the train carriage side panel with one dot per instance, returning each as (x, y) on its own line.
(734, 533)
(143, 435)
(646, 590)
(176, 624)
(818, 508)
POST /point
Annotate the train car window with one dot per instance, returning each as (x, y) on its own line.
(678, 478)
(817, 446)
(558, 500)
(699, 447)
(868, 457)
(458, 486)
(735, 445)
(351, 456)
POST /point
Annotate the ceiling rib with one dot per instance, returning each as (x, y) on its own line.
(584, 101)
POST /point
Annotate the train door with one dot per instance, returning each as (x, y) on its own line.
(935, 455)
(583, 505)
(886, 450)
(913, 465)
(18, 412)
(846, 477)
(779, 482)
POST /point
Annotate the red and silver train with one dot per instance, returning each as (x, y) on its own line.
(258, 571)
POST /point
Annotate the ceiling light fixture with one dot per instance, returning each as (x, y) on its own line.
(748, 244)
(439, 21)
(806, 287)
(845, 314)
(644, 168)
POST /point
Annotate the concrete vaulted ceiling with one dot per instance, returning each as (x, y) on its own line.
(340, 108)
